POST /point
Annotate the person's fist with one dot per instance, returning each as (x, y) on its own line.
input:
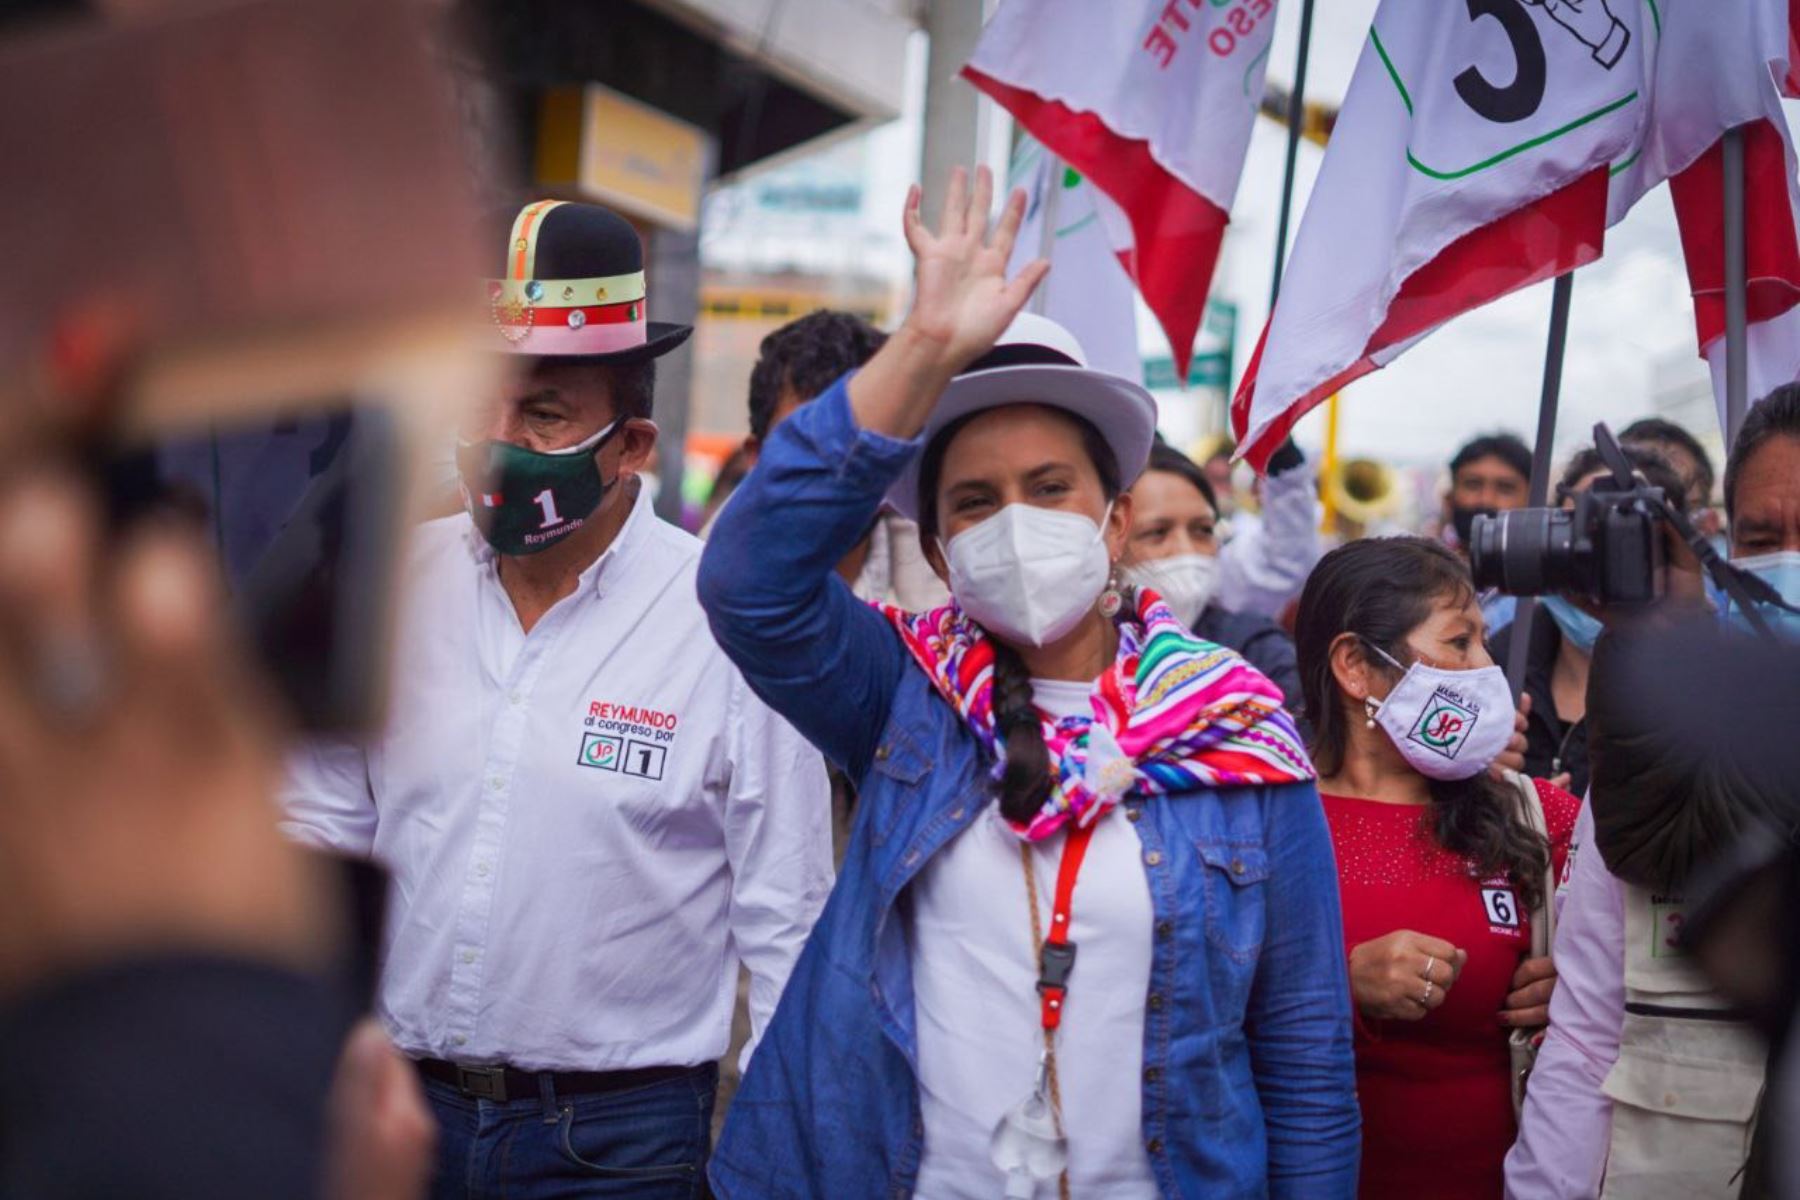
(1592, 24)
(1403, 975)
(1528, 1002)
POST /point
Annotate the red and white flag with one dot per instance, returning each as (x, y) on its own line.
(1790, 83)
(1713, 75)
(1152, 101)
(1471, 158)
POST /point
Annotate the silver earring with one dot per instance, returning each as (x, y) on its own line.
(1110, 600)
(1370, 707)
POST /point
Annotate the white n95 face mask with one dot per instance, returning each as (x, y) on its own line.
(1447, 724)
(1186, 581)
(1028, 574)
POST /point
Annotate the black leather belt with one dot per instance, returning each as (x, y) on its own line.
(501, 1083)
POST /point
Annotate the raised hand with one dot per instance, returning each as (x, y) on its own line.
(962, 302)
(962, 299)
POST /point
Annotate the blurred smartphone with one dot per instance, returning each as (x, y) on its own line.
(304, 513)
(273, 196)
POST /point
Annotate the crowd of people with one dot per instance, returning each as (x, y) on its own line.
(1070, 848)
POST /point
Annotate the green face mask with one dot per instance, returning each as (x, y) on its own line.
(524, 501)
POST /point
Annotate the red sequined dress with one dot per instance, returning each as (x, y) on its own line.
(1436, 1099)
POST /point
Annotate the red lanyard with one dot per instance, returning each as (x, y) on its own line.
(1056, 955)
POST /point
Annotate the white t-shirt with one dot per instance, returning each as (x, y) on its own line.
(975, 993)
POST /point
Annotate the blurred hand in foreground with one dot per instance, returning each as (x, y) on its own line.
(137, 759)
(382, 1132)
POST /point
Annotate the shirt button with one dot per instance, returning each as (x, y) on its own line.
(481, 869)
(1155, 1002)
(460, 1040)
(1164, 928)
(1154, 858)
(1152, 1074)
(1154, 1145)
(496, 783)
(516, 699)
(1237, 866)
(881, 753)
(468, 956)
(1132, 814)
(956, 814)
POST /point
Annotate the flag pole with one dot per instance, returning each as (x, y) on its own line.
(1736, 289)
(1328, 464)
(1053, 169)
(1526, 614)
(1296, 117)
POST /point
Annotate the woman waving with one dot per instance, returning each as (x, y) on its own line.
(1085, 941)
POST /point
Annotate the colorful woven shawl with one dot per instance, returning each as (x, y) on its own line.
(1172, 714)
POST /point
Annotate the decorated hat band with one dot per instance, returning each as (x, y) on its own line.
(597, 315)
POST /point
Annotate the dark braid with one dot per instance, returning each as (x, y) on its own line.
(1026, 778)
(1025, 781)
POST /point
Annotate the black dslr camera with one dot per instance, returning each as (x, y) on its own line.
(1609, 547)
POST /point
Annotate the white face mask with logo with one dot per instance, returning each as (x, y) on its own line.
(1447, 724)
(1186, 581)
(1029, 574)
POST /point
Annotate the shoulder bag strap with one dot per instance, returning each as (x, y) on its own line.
(1531, 811)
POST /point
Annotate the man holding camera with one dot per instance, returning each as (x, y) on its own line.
(588, 816)
(1649, 1081)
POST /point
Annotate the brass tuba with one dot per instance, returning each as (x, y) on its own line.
(1361, 492)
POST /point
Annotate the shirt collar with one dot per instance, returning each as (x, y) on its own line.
(599, 573)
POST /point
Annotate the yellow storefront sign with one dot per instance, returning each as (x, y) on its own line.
(609, 148)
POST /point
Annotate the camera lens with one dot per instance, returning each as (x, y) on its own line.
(1526, 552)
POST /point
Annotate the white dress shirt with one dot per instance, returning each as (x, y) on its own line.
(975, 995)
(588, 825)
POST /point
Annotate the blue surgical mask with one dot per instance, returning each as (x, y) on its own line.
(1580, 628)
(1780, 571)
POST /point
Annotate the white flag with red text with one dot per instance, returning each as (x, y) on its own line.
(1152, 101)
(1471, 158)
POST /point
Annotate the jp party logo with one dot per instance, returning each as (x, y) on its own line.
(1444, 725)
(608, 752)
(601, 751)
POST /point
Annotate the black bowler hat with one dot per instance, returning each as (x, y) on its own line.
(572, 286)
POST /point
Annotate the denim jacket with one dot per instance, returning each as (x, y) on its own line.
(1248, 1078)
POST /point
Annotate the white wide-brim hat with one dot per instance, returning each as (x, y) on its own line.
(1037, 361)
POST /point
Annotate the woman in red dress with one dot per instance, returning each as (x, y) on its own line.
(1438, 868)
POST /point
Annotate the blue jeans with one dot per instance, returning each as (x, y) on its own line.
(649, 1143)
